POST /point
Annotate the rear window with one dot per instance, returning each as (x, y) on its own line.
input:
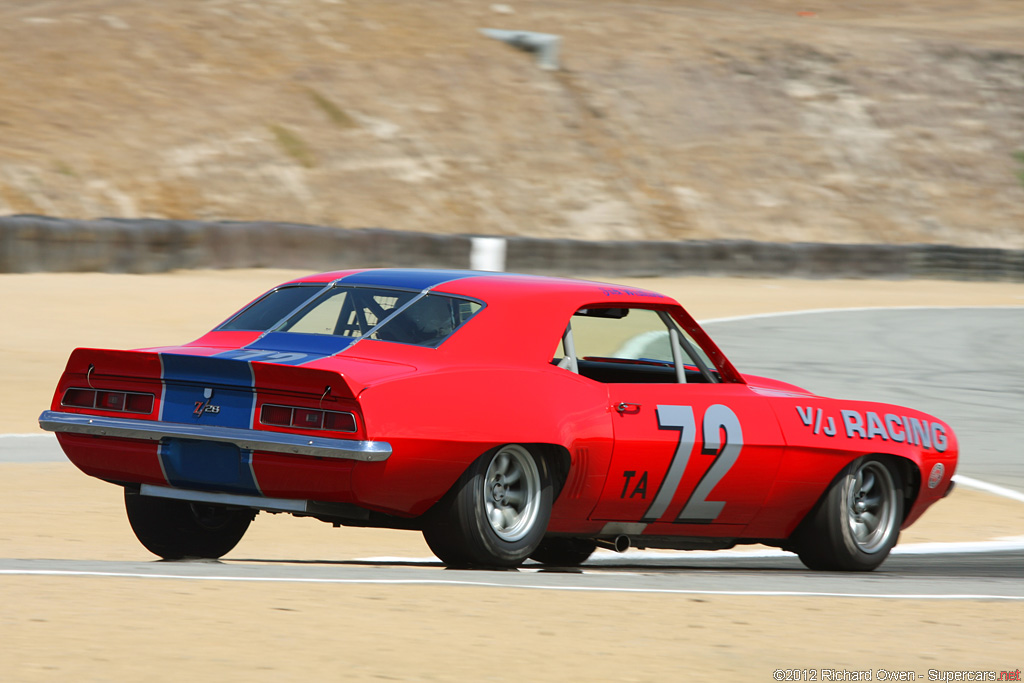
(346, 311)
(382, 314)
(428, 321)
(271, 308)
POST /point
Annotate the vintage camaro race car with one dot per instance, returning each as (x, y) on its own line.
(505, 416)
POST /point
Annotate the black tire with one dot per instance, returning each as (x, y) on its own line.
(496, 514)
(857, 523)
(176, 529)
(560, 551)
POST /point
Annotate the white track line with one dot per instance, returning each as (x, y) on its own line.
(605, 557)
(972, 483)
(859, 309)
(490, 584)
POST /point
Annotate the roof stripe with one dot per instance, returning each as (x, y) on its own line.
(417, 280)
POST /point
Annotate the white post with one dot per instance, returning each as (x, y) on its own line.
(487, 253)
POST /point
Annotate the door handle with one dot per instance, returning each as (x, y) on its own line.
(630, 408)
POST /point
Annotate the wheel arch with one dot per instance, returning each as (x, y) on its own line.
(835, 537)
(489, 520)
(906, 468)
(910, 479)
(559, 462)
(556, 456)
(910, 482)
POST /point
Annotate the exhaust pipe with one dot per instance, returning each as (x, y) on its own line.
(620, 544)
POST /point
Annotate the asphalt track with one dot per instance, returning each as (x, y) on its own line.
(937, 573)
(963, 365)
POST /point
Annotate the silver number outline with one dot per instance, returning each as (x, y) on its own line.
(697, 509)
(266, 356)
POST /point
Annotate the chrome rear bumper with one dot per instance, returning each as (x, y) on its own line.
(251, 439)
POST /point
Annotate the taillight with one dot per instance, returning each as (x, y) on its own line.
(138, 403)
(80, 398)
(110, 400)
(339, 422)
(307, 418)
(276, 415)
(116, 401)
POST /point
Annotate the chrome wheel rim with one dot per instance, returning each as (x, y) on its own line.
(871, 506)
(512, 492)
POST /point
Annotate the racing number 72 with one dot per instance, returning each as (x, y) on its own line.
(697, 509)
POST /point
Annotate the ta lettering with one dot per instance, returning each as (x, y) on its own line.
(639, 488)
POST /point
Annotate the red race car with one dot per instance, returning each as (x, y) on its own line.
(505, 416)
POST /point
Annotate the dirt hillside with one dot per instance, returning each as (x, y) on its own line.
(898, 121)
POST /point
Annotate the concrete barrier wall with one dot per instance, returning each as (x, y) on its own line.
(43, 244)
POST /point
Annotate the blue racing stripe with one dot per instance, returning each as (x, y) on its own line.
(416, 280)
(285, 348)
(207, 391)
(204, 369)
(200, 390)
(320, 344)
(208, 466)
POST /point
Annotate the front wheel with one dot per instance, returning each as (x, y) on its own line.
(496, 514)
(858, 521)
(176, 529)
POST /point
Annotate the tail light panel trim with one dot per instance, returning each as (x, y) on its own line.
(274, 415)
(114, 401)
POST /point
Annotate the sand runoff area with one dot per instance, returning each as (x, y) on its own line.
(55, 628)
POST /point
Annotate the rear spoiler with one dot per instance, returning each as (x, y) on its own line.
(98, 366)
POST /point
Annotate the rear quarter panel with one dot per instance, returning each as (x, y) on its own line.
(439, 422)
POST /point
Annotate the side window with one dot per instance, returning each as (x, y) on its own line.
(632, 345)
(639, 334)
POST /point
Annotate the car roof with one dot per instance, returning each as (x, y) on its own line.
(491, 287)
(536, 306)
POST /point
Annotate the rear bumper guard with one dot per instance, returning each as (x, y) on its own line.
(251, 439)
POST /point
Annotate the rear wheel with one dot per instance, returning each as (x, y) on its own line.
(559, 551)
(176, 529)
(858, 521)
(496, 514)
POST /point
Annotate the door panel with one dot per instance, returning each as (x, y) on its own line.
(692, 455)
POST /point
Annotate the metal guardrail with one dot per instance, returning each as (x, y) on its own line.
(44, 244)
